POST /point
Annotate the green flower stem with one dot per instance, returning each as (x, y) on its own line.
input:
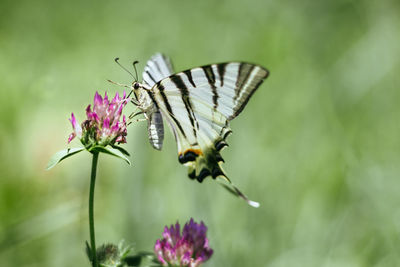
(91, 203)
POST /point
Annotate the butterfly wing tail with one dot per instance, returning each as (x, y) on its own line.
(228, 185)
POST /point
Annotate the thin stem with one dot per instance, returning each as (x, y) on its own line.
(91, 204)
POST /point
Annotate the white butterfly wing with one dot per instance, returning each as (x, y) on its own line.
(198, 105)
(157, 68)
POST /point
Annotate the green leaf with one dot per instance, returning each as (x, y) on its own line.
(88, 251)
(61, 155)
(111, 151)
(123, 151)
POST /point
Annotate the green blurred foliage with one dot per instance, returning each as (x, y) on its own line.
(318, 145)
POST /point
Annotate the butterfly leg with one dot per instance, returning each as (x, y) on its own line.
(146, 118)
(139, 113)
(135, 114)
(137, 120)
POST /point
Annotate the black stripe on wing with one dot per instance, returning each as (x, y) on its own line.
(242, 77)
(221, 72)
(168, 106)
(177, 80)
(151, 95)
(151, 77)
(209, 73)
(188, 74)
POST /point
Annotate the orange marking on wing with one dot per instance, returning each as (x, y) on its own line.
(198, 152)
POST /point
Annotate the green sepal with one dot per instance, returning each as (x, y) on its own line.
(61, 155)
(123, 249)
(108, 255)
(111, 151)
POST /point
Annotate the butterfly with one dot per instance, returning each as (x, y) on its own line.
(197, 104)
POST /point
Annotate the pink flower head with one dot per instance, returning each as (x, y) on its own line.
(103, 125)
(188, 249)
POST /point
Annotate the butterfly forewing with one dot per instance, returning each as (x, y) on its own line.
(198, 104)
(156, 69)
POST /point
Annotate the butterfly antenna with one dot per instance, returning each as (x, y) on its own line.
(119, 84)
(134, 67)
(116, 61)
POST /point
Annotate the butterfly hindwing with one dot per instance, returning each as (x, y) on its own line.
(155, 127)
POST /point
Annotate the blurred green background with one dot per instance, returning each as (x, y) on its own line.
(318, 145)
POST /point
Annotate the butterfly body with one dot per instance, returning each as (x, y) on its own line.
(197, 104)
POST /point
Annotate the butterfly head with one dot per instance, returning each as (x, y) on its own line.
(135, 85)
(136, 89)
